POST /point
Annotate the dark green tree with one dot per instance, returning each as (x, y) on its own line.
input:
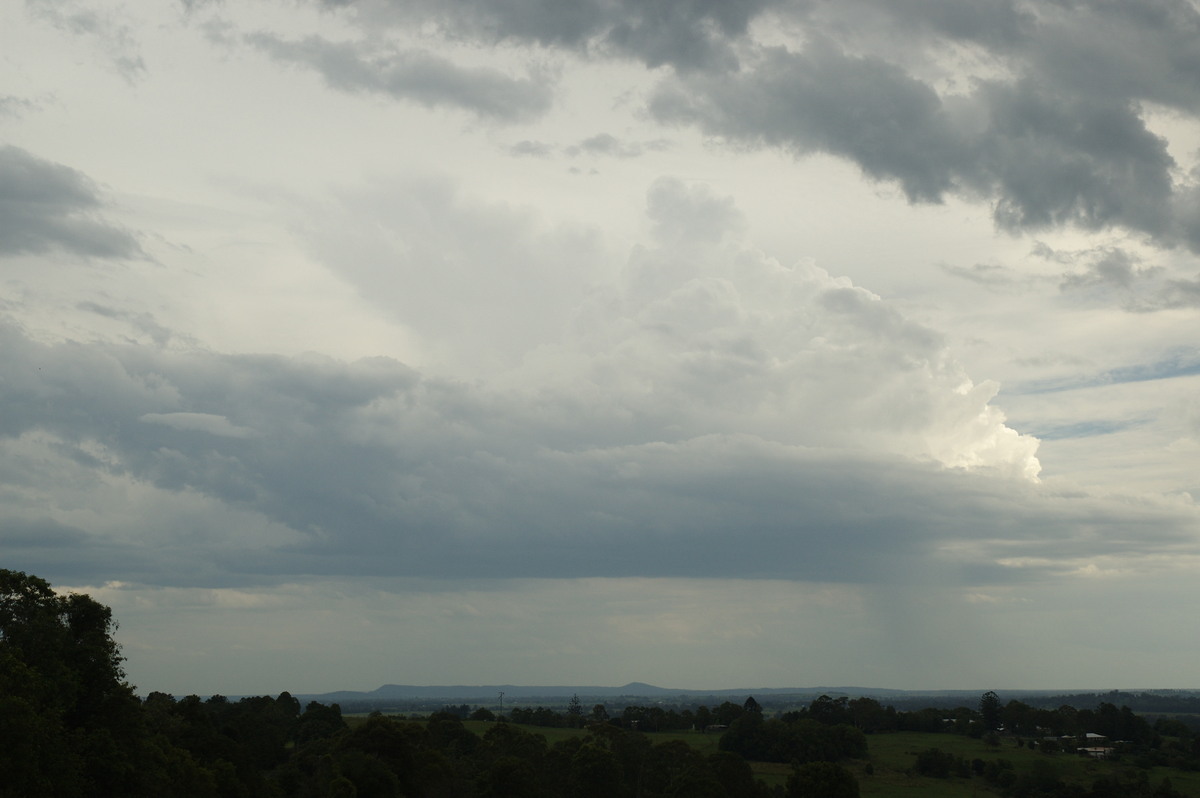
(735, 775)
(319, 721)
(506, 741)
(595, 771)
(870, 716)
(831, 711)
(936, 763)
(509, 777)
(71, 723)
(727, 713)
(822, 780)
(989, 709)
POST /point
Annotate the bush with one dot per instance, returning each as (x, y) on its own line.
(822, 780)
(936, 763)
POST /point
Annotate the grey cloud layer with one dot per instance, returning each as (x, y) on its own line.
(377, 470)
(1112, 273)
(415, 76)
(1049, 126)
(102, 23)
(690, 35)
(1044, 158)
(46, 206)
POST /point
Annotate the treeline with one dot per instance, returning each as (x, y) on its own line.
(1166, 741)
(71, 726)
(263, 746)
(1164, 702)
(642, 718)
(1043, 779)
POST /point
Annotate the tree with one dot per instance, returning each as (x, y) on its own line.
(936, 763)
(735, 775)
(67, 639)
(509, 777)
(318, 722)
(727, 713)
(870, 716)
(822, 780)
(989, 708)
(751, 705)
(75, 723)
(831, 711)
(595, 771)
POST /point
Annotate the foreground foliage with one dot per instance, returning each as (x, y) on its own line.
(72, 726)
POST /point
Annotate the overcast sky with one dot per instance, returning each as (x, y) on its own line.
(709, 344)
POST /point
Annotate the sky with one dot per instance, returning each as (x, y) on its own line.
(701, 343)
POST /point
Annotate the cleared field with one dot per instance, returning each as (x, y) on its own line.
(894, 755)
(889, 772)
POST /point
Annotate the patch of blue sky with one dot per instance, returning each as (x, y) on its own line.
(1182, 363)
(1084, 429)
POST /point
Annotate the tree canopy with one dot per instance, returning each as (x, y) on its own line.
(64, 702)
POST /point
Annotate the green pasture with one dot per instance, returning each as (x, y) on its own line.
(893, 756)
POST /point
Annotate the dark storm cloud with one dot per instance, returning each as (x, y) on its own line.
(41, 533)
(415, 76)
(46, 206)
(375, 469)
(993, 22)
(1060, 139)
(1042, 160)
(1096, 48)
(823, 100)
(1047, 122)
(1142, 51)
(1051, 161)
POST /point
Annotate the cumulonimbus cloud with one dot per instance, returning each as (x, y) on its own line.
(714, 413)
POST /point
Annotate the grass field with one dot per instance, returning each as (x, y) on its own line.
(892, 757)
(889, 770)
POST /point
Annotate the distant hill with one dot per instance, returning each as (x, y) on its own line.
(512, 692)
(410, 697)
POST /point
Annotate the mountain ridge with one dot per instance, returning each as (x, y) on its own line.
(512, 692)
